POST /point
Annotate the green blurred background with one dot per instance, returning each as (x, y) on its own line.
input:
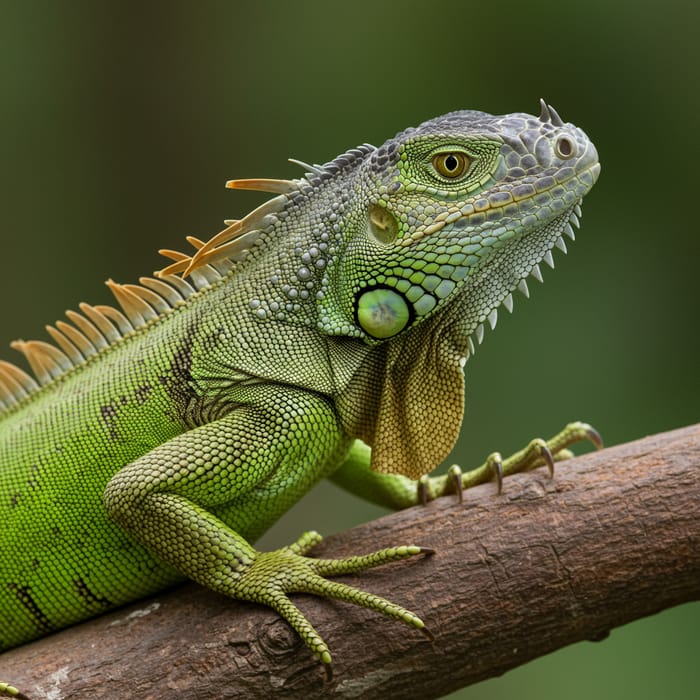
(120, 123)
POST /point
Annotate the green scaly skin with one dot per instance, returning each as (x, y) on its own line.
(162, 443)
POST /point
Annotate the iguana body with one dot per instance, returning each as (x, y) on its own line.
(166, 437)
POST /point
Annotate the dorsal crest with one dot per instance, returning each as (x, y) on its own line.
(85, 334)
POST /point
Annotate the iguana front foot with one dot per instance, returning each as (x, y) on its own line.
(272, 575)
(537, 453)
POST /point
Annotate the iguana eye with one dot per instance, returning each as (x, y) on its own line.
(452, 164)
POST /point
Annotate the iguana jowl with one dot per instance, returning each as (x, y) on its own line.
(159, 440)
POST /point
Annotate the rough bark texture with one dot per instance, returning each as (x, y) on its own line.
(613, 537)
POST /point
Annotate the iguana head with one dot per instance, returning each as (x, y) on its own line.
(408, 249)
(378, 240)
(463, 206)
(457, 213)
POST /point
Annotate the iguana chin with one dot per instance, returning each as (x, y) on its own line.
(156, 442)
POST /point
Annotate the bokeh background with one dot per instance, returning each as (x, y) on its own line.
(121, 121)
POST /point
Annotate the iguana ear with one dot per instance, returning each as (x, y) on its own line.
(421, 403)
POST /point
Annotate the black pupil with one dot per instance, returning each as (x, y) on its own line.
(451, 163)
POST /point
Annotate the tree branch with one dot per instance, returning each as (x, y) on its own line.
(613, 537)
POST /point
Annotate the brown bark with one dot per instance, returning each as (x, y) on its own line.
(613, 537)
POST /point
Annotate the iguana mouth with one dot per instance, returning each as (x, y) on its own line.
(524, 190)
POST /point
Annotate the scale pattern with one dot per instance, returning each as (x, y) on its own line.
(157, 440)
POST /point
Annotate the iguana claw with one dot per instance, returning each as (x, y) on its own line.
(495, 465)
(547, 456)
(593, 436)
(454, 475)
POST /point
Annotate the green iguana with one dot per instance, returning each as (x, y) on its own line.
(156, 442)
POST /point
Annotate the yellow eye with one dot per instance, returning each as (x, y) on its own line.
(451, 165)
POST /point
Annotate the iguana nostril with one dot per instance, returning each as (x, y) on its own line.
(565, 147)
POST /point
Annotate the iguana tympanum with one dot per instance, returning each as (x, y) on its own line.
(156, 442)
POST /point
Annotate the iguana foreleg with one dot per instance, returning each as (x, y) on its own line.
(396, 491)
(188, 500)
